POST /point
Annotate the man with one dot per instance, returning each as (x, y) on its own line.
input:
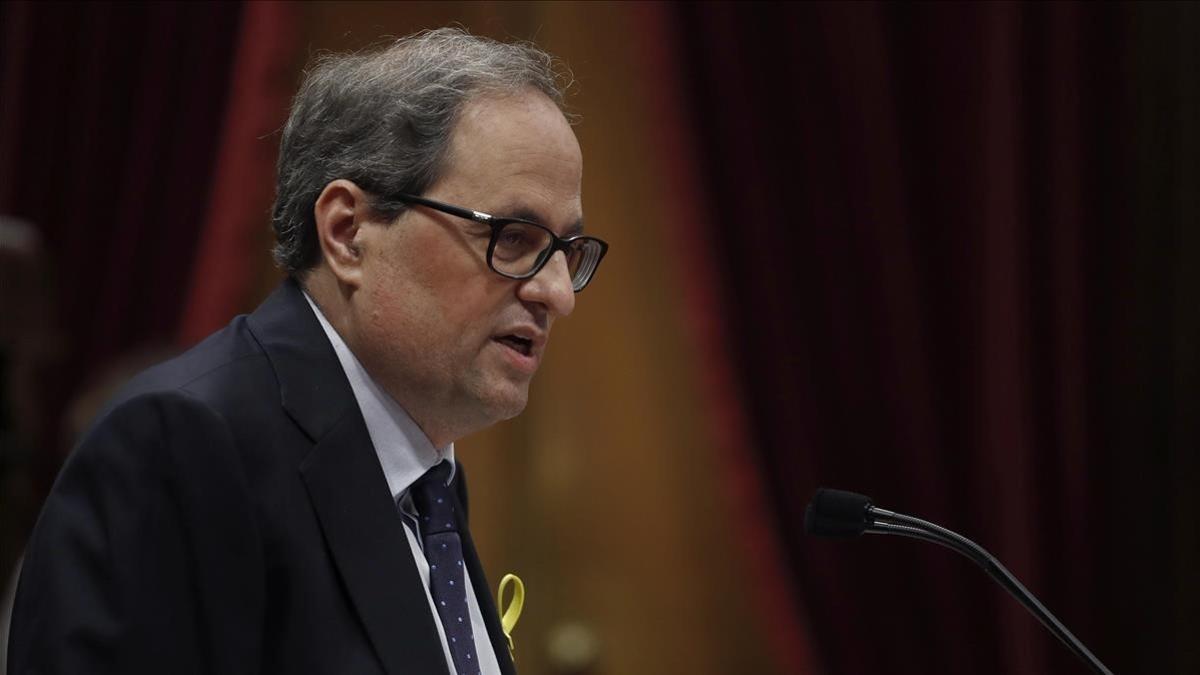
(283, 498)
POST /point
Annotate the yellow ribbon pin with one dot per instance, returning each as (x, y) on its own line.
(510, 615)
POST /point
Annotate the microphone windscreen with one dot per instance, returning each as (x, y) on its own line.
(836, 513)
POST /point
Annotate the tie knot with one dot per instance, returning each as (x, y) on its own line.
(434, 500)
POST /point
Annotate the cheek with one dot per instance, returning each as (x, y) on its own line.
(432, 259)
(394, 325)
(427, 292)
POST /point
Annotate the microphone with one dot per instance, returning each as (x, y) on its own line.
(837, 513)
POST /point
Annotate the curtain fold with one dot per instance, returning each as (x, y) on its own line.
(691, 229)
(236, 227)
(107, 124)
(956, 249)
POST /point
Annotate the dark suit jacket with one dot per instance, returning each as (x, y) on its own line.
(228, 514)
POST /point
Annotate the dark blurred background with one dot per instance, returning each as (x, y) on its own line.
(943, 254)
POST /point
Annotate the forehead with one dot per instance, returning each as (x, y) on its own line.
(514, 151)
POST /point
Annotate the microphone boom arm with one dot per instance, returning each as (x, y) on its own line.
(882, 521)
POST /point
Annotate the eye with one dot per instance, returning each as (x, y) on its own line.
(520, 241)
(513, 237)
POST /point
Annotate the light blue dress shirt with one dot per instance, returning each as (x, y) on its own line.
(405, 453)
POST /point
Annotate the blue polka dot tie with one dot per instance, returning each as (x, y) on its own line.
(443, 550)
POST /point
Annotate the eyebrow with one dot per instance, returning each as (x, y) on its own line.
(573, 230)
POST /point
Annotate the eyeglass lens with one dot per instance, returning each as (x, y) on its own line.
(520, 248)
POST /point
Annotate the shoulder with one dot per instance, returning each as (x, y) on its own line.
(152, 438)
(225, 362)
(226, 380)
(182, 413)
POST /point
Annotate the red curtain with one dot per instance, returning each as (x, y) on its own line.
(956, 251)
(952, 250)
(106, 130)
(693, 230)
(235, 229)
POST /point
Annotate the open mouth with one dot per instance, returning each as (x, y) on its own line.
(517, 344)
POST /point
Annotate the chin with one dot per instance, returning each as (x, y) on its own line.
(505, 403)
(510, 408)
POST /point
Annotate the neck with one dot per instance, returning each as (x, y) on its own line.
(335, 300)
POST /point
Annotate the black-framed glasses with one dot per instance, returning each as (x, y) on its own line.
(520, 248)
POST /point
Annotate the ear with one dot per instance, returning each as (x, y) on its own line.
(341, 210)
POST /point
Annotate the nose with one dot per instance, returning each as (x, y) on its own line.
(550, 287)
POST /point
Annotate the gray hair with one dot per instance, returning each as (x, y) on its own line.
(383, 119)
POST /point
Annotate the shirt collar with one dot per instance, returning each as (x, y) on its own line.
(404, 451)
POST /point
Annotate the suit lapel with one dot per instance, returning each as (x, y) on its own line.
(346, 485)
(365, 534)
